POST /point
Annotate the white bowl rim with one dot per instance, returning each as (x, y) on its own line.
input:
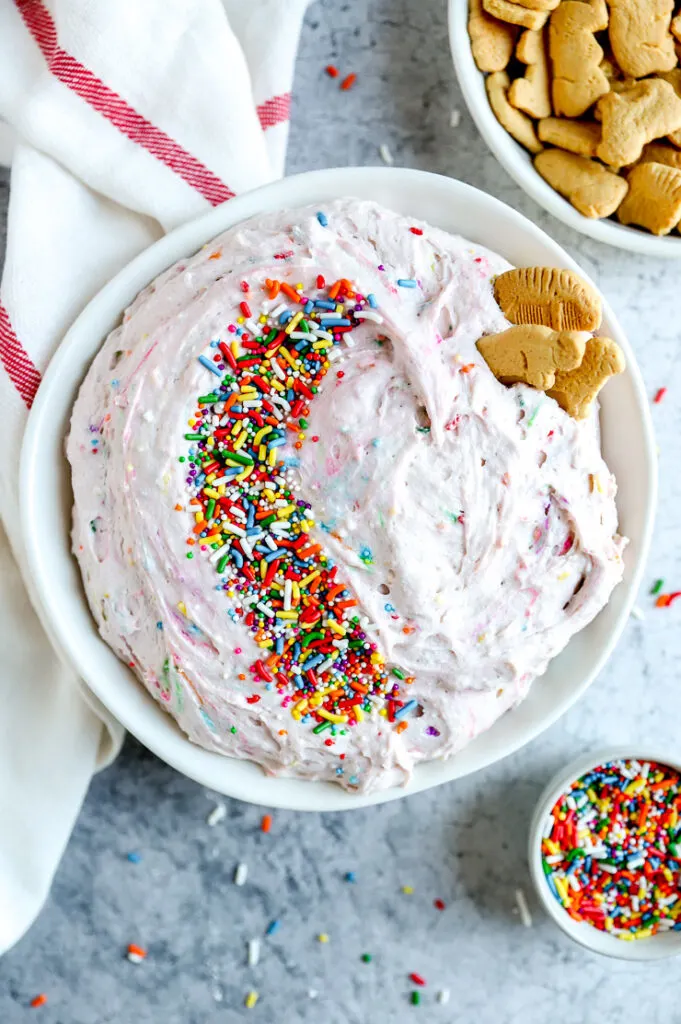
(516, 160)
(95, 322)
(657, 947)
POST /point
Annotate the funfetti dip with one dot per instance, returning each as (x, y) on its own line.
(307, 515)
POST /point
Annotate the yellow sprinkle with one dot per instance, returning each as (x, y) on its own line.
(199, 517)
(591, 795)
(285, 511)
(288, 357)
(668, 875)
(319, 344)
(241, 440)
(383, 713)
(561, 886)
(251, 1000)
(315, 700)
(267, 493)
(627, 936)
(235, 348)
(407, 890)
(295, 591)
(262, 453)
(211, 492)
(377, 658)
(335, 626)
(302, 436)
(262, 319)
(182, 606)
(358, 713)
(308, 579)
(241, 319)
(272, 457)
(259, 436)
(323, 937)
(608, 924)
(265, 643)
(301, 705)
(287, 615)
(246, 473)
(563, 576)
(236, 428)
(293, 322)
(329, 715)
(277, 385)
(552, 847)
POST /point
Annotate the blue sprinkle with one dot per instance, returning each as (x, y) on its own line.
(308, 307)
(337, 321)
(406, 282)
(371, 299)
(209, 366)
(213, 344)
(350, 876)
(339, 771)
(279, 645)
(324, 304)
(353, 780)
(323, 219)
(406, 709)
(273, 927)
(159, 625)
(285, 316)
(134, 858)
(376, 442)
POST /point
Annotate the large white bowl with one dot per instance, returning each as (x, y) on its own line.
(47, 498)
(517, 161)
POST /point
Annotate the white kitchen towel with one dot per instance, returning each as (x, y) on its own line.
(127, 119)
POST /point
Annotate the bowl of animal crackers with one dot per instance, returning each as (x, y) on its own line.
(580, 101)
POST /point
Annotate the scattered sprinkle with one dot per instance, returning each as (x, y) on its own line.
(218, 814)
(253, 952)
(659, 395)
(266, 823)
(454, 118)
(251, 999)
(366, 958)
(523, 909)
(407, 890)
(611, 852)
(439, 904)
(323, 219)
(136, 954)
(350, 876)
(323, 937)
(637, 613)
(348, 82)
(417, 979)
(665, 600)
(415, 998)
(273, 927)
(443, 996)
(241, 874)
(39, 1000)
(385, 154)
(406, 282)
(331, 71)
(134, 858)
(657, 587)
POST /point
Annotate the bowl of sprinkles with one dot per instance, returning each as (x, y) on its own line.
(605, 854)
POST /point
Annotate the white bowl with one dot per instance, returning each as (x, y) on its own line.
(657, 947)
(46, 489)
(517, 161)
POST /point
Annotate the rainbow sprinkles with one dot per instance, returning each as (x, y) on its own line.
(255, 528)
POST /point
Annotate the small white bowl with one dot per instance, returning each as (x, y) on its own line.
(657, 947)
(45, 485)
(518, 162)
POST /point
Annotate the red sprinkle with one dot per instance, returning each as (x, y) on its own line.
(321, 283)
(245, 309)
(664, 600)
(439, 904)
(417, 979)
(244, 286)
(39, 1000)
(416, 231)
(659, 395)
(266, 823)
(348, 82)
(331, 71)
(253, 699)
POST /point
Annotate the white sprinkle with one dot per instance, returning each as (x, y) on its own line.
(443, 996)
(288, 589)
(312, 993)
(215, 556)
(523, 908)
(218, 995)
(253, 952)
(548, 827)
(279, 310)
(325, 335)
(271, 543)
(135, 958)
(637, 613)
(148, 416)
(232, 528)
(265, 609)
(277, 369)
(218, 814)
(241, 874)
(385, 154)
(454, 118)
(369, 315)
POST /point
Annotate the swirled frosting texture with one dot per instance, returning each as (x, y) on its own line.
(487, 513)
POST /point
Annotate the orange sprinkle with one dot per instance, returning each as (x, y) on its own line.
(266, 823)
(401, 726)
(331, 71)
(348, 82)
(662, 601)
(136, 950)
(191, 541)
(334, 289)
(39, 1000)
(467, 368)
(215, 255)
(178, 508)
(290, 292)
(242, 676)
(283, 732)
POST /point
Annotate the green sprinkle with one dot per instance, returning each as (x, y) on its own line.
(303, 423)
(415, 998)
(207, 399)
(322, 726)
(210, 509)
(366, 958)
(398, 672)
(222, 562)
(194, 437)
(534, 415)
(657, 586)
(243, 460)
(181, 459)
(270, 337)
(190, 554)
(233, 729)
